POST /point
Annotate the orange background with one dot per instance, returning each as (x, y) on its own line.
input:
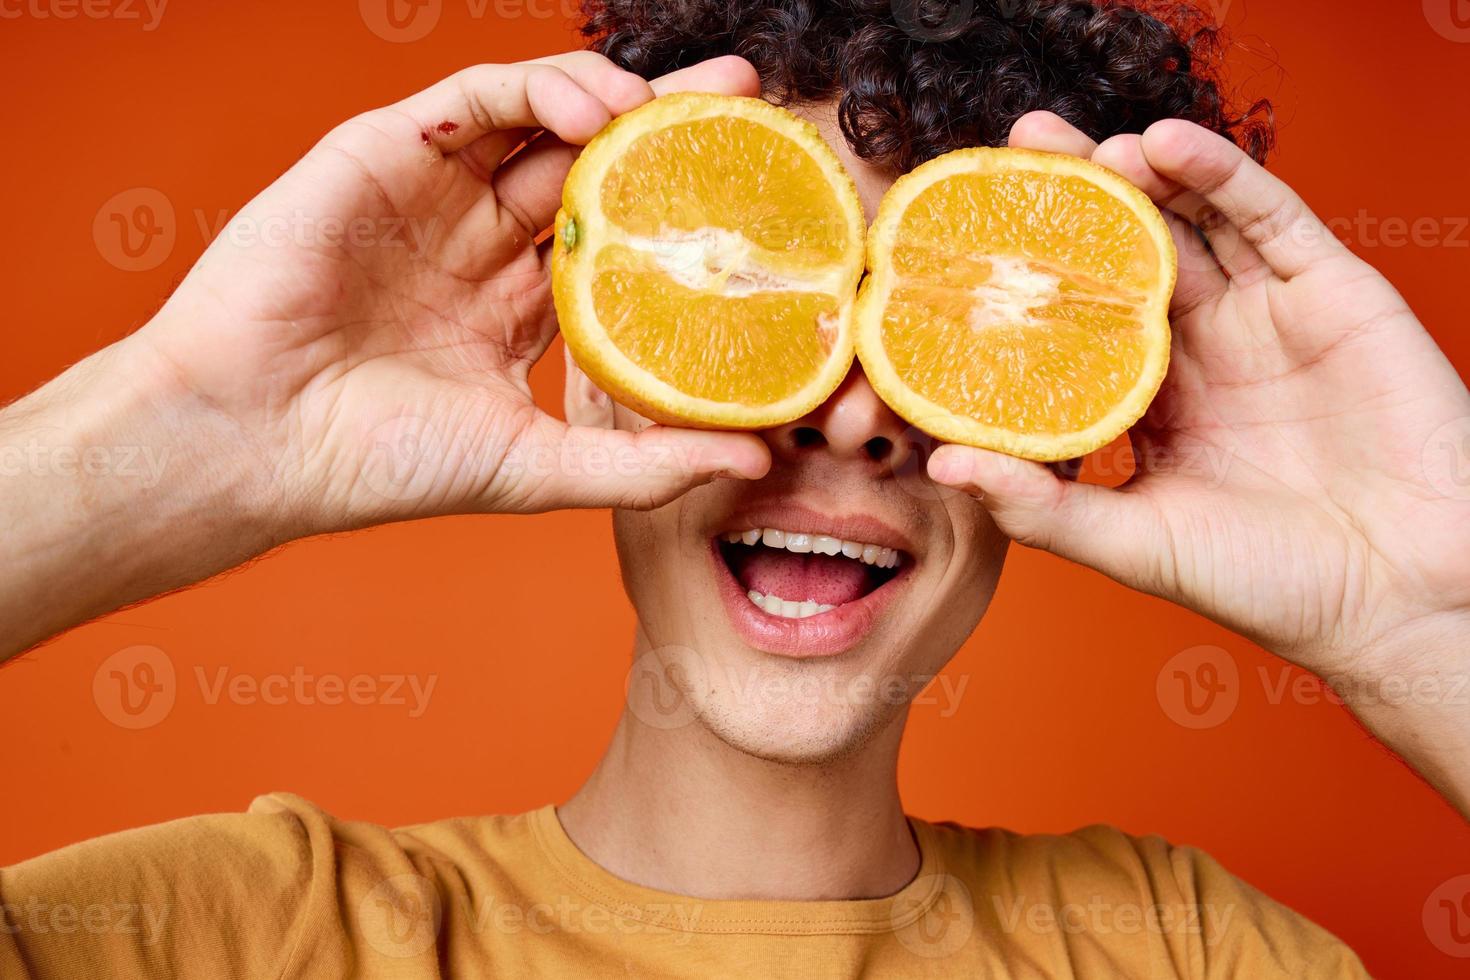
(522, 621)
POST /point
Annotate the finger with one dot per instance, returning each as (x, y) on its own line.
(504, 102)
(1261, 208)
(528, 188)
(529, 185)
(726, 75)
(590, 467)
(1201, 278)
(1113, 531)
(583, 403)
(1042, 130)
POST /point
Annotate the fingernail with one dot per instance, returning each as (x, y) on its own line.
(946, 469)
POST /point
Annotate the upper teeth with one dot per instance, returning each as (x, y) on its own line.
(821, 544)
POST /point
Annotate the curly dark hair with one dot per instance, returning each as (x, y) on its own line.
(917, 78)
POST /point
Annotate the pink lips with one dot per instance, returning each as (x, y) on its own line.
(824, 635)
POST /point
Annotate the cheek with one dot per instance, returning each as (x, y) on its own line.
(980, 547)
(631, 532)
(962, 592)
(633, 535)
(987, 547)
(655, 548)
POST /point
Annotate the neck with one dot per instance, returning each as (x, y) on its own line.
(681, 811)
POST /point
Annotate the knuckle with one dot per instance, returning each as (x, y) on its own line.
(484, 73)
(363, 133)
(585, 58)
(1271, 224)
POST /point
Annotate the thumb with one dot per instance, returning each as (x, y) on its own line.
(580, 466)
(1114, 531)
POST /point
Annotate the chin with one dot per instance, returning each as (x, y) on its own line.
(794, 732)
(798, 711)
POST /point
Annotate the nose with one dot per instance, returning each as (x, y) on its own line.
(853, 423)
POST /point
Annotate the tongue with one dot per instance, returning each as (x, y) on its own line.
(825, 579)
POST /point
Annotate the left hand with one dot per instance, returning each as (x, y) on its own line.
(1288, 484)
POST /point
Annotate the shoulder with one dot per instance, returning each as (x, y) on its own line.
(270, 844)
(1108, 886)
(284, 889)
(257, 869)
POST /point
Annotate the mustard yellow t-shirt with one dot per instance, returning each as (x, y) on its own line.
(285, 891)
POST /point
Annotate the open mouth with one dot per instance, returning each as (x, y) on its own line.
(797, 575)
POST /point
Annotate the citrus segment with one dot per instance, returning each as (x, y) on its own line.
(759, 347)
(732, 174)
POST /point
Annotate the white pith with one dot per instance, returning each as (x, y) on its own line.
(725, 262)
(1015, 288)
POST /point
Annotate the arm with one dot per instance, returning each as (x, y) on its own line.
(371, 369)
(1337, 534)
(118, 486)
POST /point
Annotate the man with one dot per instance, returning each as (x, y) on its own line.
(763, 835)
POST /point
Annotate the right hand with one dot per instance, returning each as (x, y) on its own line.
(374, 364)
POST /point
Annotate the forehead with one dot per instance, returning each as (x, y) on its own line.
(871, 181)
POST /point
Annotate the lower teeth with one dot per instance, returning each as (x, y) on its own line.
(787, 609)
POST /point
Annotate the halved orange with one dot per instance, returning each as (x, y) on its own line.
(1017, 301)
(706, 262)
